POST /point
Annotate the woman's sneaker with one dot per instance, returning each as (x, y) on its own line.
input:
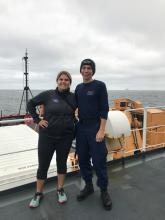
(35, 202)
(61, 196)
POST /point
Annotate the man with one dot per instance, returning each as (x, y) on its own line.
(92, 101)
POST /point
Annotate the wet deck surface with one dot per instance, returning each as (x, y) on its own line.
(137, 191)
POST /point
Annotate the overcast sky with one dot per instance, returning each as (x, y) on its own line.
(126, 39)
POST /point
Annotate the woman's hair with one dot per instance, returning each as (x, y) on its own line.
(64, 73)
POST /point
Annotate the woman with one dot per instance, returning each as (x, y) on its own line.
(55, 133)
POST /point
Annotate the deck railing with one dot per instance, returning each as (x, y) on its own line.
(19, 166)
(12, 180)
(145, 128)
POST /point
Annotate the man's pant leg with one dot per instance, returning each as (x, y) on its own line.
(98, 153)
(83, 154)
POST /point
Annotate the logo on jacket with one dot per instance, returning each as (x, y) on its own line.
(90, 92)
(56, 100)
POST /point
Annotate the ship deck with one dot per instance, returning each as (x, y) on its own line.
(137, 191)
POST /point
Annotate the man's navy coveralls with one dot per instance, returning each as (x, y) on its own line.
(92, 102)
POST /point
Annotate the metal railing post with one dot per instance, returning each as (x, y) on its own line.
(144, 129)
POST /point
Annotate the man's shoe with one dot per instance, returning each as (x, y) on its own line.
(61, 196)
(106, 200)
(88, 189)
(35, 202)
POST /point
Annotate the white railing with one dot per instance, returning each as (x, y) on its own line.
(145, 128)
(18, 164)
(11, 121)
(31, 172)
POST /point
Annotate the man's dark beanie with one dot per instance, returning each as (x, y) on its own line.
(89, 62)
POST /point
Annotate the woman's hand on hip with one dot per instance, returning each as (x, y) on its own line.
(43, 123)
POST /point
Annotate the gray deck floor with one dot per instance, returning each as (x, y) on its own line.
(137, 191)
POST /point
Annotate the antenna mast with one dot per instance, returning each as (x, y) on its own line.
(26, 88)
(26, 79)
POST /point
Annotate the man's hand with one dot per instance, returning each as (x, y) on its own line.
(43, 123)
(100, 135)
(101, 132)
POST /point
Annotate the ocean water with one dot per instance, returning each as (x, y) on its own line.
(10, 99)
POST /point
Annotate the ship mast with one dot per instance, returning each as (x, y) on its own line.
(26, 80)
(26, 88)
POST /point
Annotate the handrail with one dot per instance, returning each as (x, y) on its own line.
(16, 152)
(135, 109)
(144, 122)
(143, 148)
(3, 122)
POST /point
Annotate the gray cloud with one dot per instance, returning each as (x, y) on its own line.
(125, 38)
